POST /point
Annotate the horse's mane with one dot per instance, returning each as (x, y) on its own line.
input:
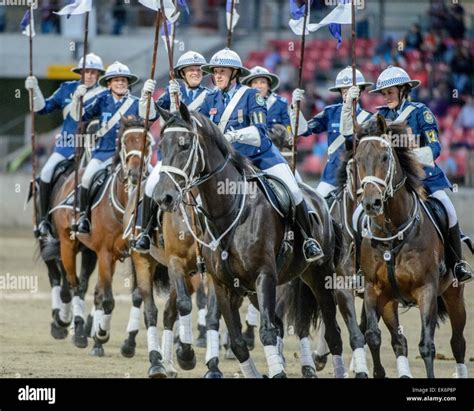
(408, 162)
(208, 128)
(126, 123)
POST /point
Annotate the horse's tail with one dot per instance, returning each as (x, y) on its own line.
(339, 239)
(161, 279)
(442, 311)
(301, 308)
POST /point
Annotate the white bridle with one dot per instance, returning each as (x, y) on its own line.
(125, 155)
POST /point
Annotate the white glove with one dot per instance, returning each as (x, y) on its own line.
(247, 135)
(302, 123)
(81, 91)
(142, 107)
(148, 87)
(174, 87)
(352, 94)
(31, 83)
(298, 95)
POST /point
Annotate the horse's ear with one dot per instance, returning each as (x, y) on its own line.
(165, 114)
(183, 110)
(382, 124)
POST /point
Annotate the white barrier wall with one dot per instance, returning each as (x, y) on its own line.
(14, 188)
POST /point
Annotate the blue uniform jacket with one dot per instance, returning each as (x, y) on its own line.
(60, 100)
(252, 104)
(423, 125)
(328, 121)
(104, 107)
(277, 111)
(187, 96)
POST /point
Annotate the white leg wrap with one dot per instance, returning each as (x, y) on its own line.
(56, 297)
(403, 367)
(98, 314)
(322, 346)
(252, 315)
(339, 368)
(202, 317)
(167, 345)
(152, 339)
(274, 360)
(105, 322)
(78, 307)
(65, 312)
(360, 361)
(352, 364)
(212, 345)
(134, 320)
(305, 353)
(249, 370)
(185, 329)
(461, 371)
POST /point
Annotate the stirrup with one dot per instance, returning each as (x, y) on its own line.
(84, 225)
(308, 258)
(468, 276)
(140, 245)
(43, 229)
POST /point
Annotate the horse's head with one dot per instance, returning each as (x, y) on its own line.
(385, 163)
(132, 136)
(182, 157)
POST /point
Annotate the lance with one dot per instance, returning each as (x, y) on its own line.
(300, 75)
(77, 148)
(230, 29)
(147, 115)
(33, 134)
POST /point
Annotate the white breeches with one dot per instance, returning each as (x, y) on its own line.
(325, 189)
(48, 168)
(152, 180)
(283, 172)
(448, 206)
(93, 167)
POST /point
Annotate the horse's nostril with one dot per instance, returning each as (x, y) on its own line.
(378, 203)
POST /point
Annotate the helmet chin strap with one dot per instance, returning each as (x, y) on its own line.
(233, 76)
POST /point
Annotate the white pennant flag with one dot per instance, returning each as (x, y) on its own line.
(235, 16)
(296, 26)
(171, 12)
(78, 7)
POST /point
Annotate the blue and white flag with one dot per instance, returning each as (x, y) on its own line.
(170, 10)
(75, 8)
(25, 24)
(235, 16)
(341, 14)
(171, 31)
(297, 20)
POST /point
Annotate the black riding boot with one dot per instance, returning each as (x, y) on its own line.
(149, 210)
(44, 227)
(84, 225)
(311, 249)
(462, 270)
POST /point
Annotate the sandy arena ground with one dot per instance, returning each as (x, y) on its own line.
(28, 350)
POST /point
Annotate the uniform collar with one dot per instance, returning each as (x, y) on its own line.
(402, 106)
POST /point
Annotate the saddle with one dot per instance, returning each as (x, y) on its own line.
(98, 185)
(438, 216)
(277, 193)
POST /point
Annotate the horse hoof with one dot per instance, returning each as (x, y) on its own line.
(187, 361)
(157, 371)
(405, 376)
(88, 325)
(102, 338)
(201, 342)
(80, 340)
(281, 374)
(308, 372)
(213, 374)
(57, 332)
(361, 375)
(127, 350)
(97, 352)
(320, 361)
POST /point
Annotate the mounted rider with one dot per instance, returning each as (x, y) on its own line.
(115, 102)
(65, 141)
(190, 91)
(240, 113)
(329, 120)
(395, 85)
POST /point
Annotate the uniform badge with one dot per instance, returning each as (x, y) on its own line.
(260, 100)
(213, 111)
(428, 117)
(240, 116)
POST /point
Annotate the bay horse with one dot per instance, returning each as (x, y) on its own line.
(105, 238)
(244, 234)
(402, 255)
(175, 254)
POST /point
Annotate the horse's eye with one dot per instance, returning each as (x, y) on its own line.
(385, 158)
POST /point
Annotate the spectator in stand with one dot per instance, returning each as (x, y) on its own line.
(439, 103)
(49, 20)
(455, 21)
(465, 119)
(383, 51)
(3, 20)
(119, 15)
(461, 67)
(287, 73)
(414, 39)
(438, 12)
(272, 59)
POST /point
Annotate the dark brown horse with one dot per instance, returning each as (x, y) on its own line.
(106, 238)
(244, 234)
(402, 255)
